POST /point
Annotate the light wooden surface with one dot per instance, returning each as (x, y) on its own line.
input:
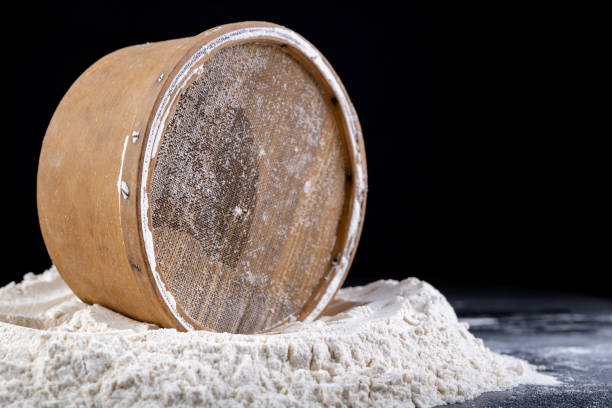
(251, 190)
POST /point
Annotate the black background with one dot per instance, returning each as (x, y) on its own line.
(480, 129)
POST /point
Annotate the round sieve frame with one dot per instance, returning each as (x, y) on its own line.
(352, 218)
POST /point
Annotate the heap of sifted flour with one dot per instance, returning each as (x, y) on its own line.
(384, 344)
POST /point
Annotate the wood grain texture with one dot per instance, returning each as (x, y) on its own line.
(250, 192)
(78, 169)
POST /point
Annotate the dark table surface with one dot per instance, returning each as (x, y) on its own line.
(565, 335)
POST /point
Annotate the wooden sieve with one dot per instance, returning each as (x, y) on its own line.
(216, 182)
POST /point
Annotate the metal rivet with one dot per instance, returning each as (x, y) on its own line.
(160, 77)
(125, 191)
(135, 135)
(336, 260)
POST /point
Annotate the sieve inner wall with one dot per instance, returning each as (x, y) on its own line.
(248, 190)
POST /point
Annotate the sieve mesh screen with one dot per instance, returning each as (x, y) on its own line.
(248, 190)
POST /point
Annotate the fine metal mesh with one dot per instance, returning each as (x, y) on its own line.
(248, 190)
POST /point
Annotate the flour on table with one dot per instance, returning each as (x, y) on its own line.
(388, 343)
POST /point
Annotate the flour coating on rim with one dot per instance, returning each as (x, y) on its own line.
(158, 125)
(120, 178)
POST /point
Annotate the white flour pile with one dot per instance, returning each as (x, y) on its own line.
(385, 344)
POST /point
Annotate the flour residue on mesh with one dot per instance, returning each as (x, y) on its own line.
(198, 182)
(250, 173)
